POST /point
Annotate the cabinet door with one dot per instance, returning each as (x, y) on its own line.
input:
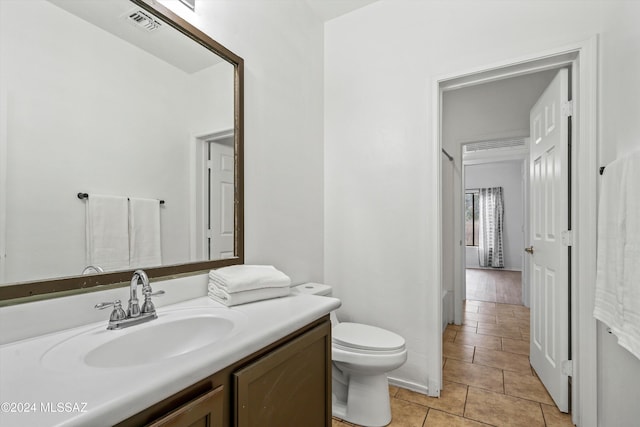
(290, 386)
(203, 411)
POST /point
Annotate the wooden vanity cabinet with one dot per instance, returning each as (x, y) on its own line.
(287, 383)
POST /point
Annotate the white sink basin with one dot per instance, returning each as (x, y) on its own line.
(173, 334)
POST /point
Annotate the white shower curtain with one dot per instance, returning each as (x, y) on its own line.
(491, 204)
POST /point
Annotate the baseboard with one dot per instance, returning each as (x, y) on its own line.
(418, 388)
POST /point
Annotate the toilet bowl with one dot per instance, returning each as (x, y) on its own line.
(362, 355)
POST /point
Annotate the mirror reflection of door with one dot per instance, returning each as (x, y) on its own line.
(220, 205)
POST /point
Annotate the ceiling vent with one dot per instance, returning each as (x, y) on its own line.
(143, 20)
(495, 144)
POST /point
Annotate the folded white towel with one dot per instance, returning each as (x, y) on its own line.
(107, 232)
(244, 297)
(617, 299)
(144, 233)
(238, 278)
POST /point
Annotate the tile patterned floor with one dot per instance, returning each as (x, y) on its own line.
(487, 377)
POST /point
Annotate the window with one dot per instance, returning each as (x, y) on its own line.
(471, 218)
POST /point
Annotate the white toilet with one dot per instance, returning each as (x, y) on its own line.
(362, 355)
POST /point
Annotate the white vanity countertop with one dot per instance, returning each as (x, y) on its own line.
(105, 396)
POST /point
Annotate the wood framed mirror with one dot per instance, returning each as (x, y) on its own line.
(89, 92)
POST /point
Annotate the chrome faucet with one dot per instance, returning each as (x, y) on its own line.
(134, 307)
(120, 319)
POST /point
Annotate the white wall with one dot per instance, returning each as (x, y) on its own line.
(381, 226)
(618, 370)
(507, 175)
(282, 45)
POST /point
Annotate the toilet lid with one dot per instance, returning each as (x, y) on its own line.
(365, 337)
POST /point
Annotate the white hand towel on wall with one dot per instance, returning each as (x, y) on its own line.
(617, 300)
(107, 232)
(144, 233)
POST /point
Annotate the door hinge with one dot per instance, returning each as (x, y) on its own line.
(567, 238)
(567, 368)
(209, 164)
(209, 233)
(567, 109)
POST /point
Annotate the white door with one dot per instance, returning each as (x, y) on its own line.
(549, 278)
(221, 201)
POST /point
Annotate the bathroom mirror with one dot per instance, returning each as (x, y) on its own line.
(118, 98)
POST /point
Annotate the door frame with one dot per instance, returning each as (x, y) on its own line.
(582, 58)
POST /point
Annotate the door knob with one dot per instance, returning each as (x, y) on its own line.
(529, 249)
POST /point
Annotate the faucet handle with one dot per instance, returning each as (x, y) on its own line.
(117, 314)
(154, 294)
(148, 306)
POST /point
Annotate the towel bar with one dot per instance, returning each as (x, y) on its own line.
(83, 196)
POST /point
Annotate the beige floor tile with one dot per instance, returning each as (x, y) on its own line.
(505, 309)
(499, 330)
(554, 418)
(479, 340)
(512, 321)
(437, 418)
(505, 318)
(502, 360)
(487, 310)
(526, 386)
(480, 376)
(515, 346)
(480, 303)
(469, 323)
(393, 390)
(458, 351)
(335, 422)
(516, 308)
(501, 410)
(452, 398)
(407, 414)
(485, 318)
(448, 335)
(468, 328)
(468, 308)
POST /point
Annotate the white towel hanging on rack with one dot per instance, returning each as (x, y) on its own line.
(107, 233)
(617, 301)
(145, 244)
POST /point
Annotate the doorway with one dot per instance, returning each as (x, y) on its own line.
(504, 282)
(581, 59)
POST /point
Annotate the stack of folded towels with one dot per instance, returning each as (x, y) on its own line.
(241, 284)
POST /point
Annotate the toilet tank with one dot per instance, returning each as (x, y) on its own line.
(312, 289)
(316, 289)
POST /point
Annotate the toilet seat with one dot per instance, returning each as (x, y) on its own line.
(365, 338)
